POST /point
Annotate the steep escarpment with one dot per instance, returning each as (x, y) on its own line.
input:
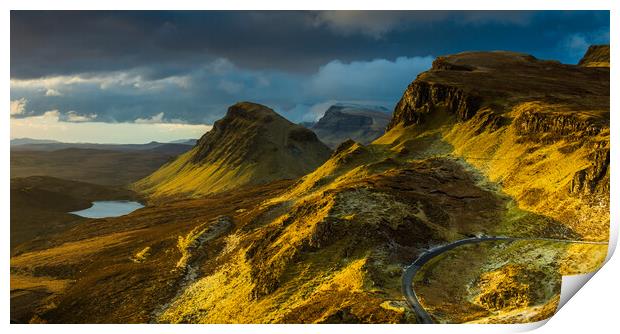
(421, 98)
(519, 120)
(251, 145)
(596, 56)
(349, 121)
(471, 81)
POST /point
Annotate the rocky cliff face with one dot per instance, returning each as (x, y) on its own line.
(596, 56)
(511, 125)
(360, 123)
(421, 98)
(251, 145)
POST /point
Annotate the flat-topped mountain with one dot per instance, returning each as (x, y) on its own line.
(28, 141)
(343, 121)
(252, 144)
(468, 82)
(540, 128)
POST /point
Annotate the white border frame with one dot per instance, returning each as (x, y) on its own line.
(593, 308)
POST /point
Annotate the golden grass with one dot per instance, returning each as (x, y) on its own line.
(182, 177)
(27, 282)
(500, 282)
(537, 179)
(251, 145)
(71, 252)
(142, 255)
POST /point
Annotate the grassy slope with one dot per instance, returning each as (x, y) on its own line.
(40, 206)
(251, 145)
(596, 56)
(331, 247)
(537, 175)
(39, 214)
(105, 261)
(502, 282)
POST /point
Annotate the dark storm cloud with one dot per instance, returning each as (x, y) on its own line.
(74, 42)
(203, 95)
(191, 65)
(49, 43)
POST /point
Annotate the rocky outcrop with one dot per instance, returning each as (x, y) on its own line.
(422, 98)
(543, 137)
(513, 286)
(442, 63)
(190, 243)
(593, 179)
(346, 121)
(556, 124)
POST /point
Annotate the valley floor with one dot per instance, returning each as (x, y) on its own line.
(254, 255)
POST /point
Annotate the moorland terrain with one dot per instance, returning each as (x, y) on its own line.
(260, 222)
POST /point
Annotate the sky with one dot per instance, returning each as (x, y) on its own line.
(138, 76)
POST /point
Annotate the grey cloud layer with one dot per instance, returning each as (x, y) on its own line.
(189, 66)
(52, 43)
(202, 95)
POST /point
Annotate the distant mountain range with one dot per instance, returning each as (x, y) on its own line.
(185, 141)
(360, 123)
(28, 141)
(108, 164)
(28, 144)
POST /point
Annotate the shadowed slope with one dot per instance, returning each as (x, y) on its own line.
(251, 145)
(540, 129)
(360, 123)
(40, 206)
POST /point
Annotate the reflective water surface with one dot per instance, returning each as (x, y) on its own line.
(103, 209)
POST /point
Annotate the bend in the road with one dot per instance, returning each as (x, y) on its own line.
(412, 270)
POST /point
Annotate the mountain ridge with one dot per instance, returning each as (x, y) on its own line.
(252, 144)
(505, 119)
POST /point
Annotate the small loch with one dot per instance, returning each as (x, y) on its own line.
(105, 209)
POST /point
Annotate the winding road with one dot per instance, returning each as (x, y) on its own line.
(410, 272)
